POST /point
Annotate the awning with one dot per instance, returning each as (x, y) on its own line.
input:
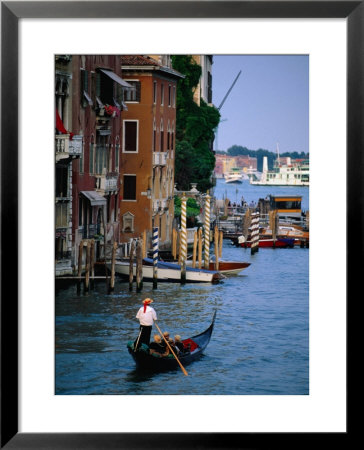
(116, 78)
(95, 198)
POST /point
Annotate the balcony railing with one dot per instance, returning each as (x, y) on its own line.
(75, 146)
(66, 148)
(159, 158)
(107, 183)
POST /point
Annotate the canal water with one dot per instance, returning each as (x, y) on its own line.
(259, 346)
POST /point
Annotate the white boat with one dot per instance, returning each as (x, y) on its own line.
(283, 174)
(167, 271)
(234, 175)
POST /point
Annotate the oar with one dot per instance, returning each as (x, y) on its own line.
(170, 348)
(136, 345)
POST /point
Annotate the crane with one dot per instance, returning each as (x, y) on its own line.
(223, 101)
(228, 92)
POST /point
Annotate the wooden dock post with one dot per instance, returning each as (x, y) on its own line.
(174, 244)
(92, 263)
(131, 265)
(155, 256)
(79, 266)
(87, 267)
(113, 257)
(216, 245)
(200, 248)
(144, 244)
(207, 231)
(221, 238)
(139, 265)
(194, 250)
(183, 237)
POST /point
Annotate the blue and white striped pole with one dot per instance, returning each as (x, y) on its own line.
(155, 242)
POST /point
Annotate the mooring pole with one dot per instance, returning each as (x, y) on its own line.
(131, 265)
(155, 256)
(183, 237)
(200, 248)
(254, 247)
(139, 265)
(207, 231)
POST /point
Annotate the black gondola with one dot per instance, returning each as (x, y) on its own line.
(145, 360)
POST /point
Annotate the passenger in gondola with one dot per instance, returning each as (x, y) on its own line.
(179, 345)
(157, 348)
(146, 316)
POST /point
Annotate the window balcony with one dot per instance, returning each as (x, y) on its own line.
(66, 148)
(107, 183)
(159, 158)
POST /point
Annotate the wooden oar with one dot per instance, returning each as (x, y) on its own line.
(136, 345)
(170, 348)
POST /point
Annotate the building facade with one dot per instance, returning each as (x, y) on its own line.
(148, 148)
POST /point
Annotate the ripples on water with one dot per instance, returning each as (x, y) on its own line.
(259, 344)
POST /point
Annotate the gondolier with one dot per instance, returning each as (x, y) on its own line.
(146, 316)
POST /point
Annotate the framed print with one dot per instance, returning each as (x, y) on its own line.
(18, 234)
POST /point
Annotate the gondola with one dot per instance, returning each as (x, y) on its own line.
(198, 343)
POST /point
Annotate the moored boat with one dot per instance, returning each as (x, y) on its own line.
(228, 267)
(198, 343)
(167, 272)
(268, 243)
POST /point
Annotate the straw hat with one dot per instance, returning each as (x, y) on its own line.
(147, 301)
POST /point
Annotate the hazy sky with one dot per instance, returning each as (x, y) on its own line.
(268, 104)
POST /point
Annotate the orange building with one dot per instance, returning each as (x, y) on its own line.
(148, 149)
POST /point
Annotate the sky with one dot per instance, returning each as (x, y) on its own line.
(267, 105)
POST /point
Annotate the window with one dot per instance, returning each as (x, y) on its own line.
(133, 95)
(92, 158)
(130, 136)
(61, 181)
(117, 151)
(101, 154)
(154, 135)
(129, 192)
(162, 137)
(169, 95)
(61, 215)
(174, 97)
(162, 94)
(154, 92)
(85, 96)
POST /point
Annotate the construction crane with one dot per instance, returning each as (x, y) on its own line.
(223, 101)
(228, 92)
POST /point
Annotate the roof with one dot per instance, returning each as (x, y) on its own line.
(141, 62)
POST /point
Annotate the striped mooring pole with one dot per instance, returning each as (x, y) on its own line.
(183, 237)
(254, 233)
(155, 241)
(207, 232)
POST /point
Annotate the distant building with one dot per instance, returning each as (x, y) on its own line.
(148, 147)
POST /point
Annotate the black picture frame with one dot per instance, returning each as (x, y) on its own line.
(11, 12)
